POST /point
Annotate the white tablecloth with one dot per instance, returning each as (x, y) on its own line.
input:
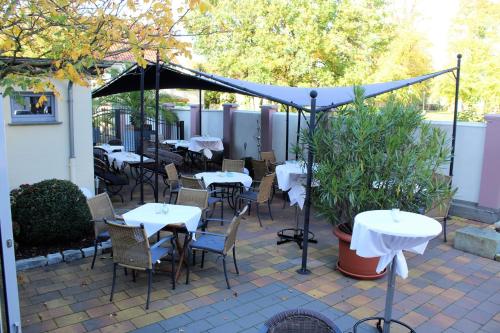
(120, 158)
(220, 177)
(199, 143)
(177, 143)
(385, 234)
(291, 177)
(110, 148)
(154, 218)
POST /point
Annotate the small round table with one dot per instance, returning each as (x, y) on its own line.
(227, 179)
(385, 234)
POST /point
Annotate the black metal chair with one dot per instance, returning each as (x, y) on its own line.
(299, 321)
(113, 181)
(220, 244)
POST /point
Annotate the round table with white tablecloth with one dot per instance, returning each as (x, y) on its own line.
(205, 144)
(385, 234)
(177, 143)
(227, 180)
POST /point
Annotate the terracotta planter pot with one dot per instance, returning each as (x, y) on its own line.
(353, 265)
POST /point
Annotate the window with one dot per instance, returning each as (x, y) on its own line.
(25, 108)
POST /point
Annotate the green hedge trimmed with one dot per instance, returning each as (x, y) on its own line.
(51, 212)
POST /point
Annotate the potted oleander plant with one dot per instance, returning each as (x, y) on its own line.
(375, 157)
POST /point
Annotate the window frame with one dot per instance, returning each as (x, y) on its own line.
(34, 118)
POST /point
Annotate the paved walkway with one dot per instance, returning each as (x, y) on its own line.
(447, 291)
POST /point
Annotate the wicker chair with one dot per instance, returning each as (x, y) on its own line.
(259, 170)
(172, 181)
(260, 197)
(101, 209)
(268, 156)
(213, 199)
(233, 165)
(131, 249)
(440, 210)
(220, 244)
(299, 321)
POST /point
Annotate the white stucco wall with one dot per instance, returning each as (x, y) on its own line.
(38, 152)
(468, 164)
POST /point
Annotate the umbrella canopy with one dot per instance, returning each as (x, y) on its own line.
(175, 76)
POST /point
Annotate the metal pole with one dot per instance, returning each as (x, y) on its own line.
(455, 114)
(391, 286)
(307, 203)
(199, 115)
(141, 144)
(287, 131)
(298, 131)
(157, 120)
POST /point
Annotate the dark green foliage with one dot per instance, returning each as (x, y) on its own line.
(377, 158)
(51, 212)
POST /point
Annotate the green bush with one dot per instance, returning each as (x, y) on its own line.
(51, 212)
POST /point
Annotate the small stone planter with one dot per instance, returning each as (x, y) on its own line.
(58, 257)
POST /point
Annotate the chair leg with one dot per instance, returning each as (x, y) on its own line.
(113, 283)
(125, 271)
(234, 259)
(444, 228)
(150, 278)
(222, 212)
(95, 254)
(202, 258)
(172, 262)
(269, 206)
(187, 264)
(133, 275)
(225, 272)
(170, 197)
(258, 214)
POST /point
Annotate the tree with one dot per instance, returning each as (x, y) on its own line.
(292, 42)
(69, 38)
(476, 35)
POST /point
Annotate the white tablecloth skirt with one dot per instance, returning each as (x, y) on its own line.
(155, 217)
(220, 177)
(377, 234)
(205, 144)
(120, 158)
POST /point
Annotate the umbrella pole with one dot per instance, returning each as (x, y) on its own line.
(287, 131)
(307, 203)
(298, 131)
(455, 114)
(141, 144)
(157, 119)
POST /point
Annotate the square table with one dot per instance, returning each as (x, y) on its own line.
(156, 216)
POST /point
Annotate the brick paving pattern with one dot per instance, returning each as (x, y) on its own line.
(447, 290)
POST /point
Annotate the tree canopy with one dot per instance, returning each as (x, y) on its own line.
(75, 36)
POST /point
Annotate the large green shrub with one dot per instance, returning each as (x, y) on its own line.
(51, 212)
(372, 157)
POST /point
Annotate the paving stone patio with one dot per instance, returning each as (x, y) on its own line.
(447, 290)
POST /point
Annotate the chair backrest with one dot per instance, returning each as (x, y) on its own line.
(299, 321)
(268, 156)
(193, 197)
(130, 246)
(232, 231)
(115, 142)
(191, 182)
(101, 209)
(101, 154)
(172, 174)
(233, 165)
(265, 188)
(440, 210)
(259, 169)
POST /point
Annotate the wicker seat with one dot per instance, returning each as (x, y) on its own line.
(172, 181)
(101, 209)
(440, 210)
(220, 244)
(233, 165)
(131, 249)
(262, 196)
(268, 156)
(299, 321)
